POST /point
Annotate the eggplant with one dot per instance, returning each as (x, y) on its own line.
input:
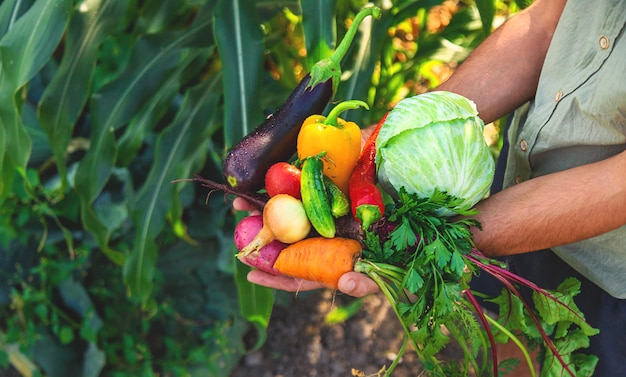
(274, 140)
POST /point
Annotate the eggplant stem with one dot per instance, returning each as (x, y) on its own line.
(330, 67)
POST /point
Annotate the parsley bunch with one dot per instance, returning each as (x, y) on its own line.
(424, 267)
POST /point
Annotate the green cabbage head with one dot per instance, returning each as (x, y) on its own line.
(435, 141)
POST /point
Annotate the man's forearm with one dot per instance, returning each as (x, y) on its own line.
(503, 72)
(554, 209)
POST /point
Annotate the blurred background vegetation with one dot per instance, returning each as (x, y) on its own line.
(107, 267)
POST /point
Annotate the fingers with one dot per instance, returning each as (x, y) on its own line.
(351, 283)
(284, 283)
(356, 284)
(241, 204)
(365, 134)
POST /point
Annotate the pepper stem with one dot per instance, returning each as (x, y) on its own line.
(331, 119)
(329, 68)
(368, 214)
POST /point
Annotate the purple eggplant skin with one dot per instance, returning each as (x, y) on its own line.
(275, 139)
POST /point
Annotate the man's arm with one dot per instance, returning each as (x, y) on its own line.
(555, 209)
(502, 73)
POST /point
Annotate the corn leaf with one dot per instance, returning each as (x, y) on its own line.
(176, 148)
(157, 15)
(139, 127)
(24, 48)
(192, 62)
(153, 59)
(6, 168)
(487, 10)
(31, 39)
(10, 11)
(320, 32)
(67, 93)
(240, 43)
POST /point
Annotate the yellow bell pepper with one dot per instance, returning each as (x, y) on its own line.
(339, 140)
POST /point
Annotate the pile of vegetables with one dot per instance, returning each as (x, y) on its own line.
(399, 210)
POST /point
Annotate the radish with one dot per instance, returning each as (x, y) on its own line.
(283, 178)
(264, 258)
(284, 219)
(246, 230)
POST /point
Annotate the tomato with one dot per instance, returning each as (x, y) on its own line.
(283, 178)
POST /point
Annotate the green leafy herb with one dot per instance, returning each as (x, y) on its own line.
(429, 249)
(424, 268)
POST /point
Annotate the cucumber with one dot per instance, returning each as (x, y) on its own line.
(315, 197)
(339, 203)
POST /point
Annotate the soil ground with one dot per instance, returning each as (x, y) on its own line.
(300, 342)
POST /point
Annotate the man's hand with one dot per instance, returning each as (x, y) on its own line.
(351, 283)
(240, 204)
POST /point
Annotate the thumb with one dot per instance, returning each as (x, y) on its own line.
(356, 284)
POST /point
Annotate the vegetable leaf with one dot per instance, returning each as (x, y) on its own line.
(424, 267)
(553, 312)
(413, 281)
(403, 236)
(431, 248)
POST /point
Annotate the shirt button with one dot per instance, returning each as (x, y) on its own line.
(523, 145)
(604, 42)
(558, 95)
(518, 179)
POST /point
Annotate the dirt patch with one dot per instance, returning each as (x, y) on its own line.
(300, 343)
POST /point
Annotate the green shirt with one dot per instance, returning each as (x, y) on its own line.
(578, 116)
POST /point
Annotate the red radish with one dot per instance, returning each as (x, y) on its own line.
(264, 258)
(246, 230)
(283, 178)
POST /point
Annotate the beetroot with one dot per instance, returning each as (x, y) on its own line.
(262, 259)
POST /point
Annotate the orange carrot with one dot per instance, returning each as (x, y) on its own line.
(319, 259)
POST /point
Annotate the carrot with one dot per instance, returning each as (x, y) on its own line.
(319, 259)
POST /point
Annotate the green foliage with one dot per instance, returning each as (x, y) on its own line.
(561, 319)
(433, 272)
(340, 314)
(424, 269)
(108, 267)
